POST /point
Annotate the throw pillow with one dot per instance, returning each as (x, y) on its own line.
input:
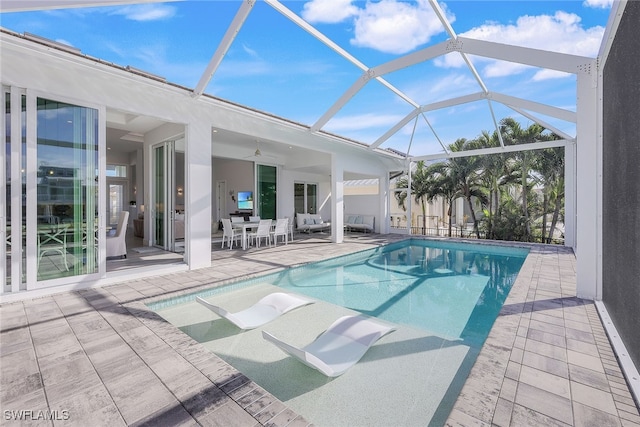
(358, 220)
(351, 219)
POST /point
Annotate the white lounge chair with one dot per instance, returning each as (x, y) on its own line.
(264, 311)
(339, 347)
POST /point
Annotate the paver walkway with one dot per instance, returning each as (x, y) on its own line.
(100, 357)
(547, 360)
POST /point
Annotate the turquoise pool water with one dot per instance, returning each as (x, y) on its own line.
(442, 297)
(453, 290)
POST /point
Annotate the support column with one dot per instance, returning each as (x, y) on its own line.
(460, 211)
(409, 200)
(570, 193)
(337, 199)
(198, 194)
(588, 210)
(384, 195)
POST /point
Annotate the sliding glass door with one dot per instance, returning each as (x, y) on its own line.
(50, 165)
(163, 199)
(67, 189)
(267, 185)
(13, 217)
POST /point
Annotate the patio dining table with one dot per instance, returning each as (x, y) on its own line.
(244, 226)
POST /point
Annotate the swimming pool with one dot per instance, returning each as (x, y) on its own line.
(444, 297)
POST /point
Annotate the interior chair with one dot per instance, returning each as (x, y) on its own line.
(339, 347)
(228, 233)
(53, 239)
(268, 308)
(281, 229)
(263, 232)
(116, 244)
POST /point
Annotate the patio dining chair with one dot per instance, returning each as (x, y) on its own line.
(281, 229)
(254, 219)
(290, 227)
(90, 234)
(228, 233)
(237, 219)
(263, 232)
(53, 239)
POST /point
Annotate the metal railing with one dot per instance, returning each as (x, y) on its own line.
(440, 231)
(465, 233)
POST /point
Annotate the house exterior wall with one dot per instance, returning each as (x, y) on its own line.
(285, 189)
(364, 204)
(117, 92)
(621, 182)
(239, 176)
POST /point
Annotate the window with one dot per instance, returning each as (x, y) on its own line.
(305, 197)
(117, 171)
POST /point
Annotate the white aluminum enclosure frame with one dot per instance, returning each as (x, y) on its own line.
(582, 150)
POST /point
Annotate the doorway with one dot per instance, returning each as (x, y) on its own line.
(167, 219)
(117, 191)
(221, 203)
(50, 224)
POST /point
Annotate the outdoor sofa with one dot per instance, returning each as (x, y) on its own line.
(364, 223)
(311, 222)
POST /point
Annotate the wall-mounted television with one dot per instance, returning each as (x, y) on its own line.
(245, 200)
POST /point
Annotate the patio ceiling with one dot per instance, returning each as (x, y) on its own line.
(416, 130)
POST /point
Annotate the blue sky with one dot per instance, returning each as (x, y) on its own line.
(276, 67)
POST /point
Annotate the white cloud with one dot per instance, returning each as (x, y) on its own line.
(251, 52)
(396, 27)
(548, 74)
(146, 12)
(601, 4)
(502, 68)
(390, 26)
(450, 85)
(362, 122)
(561, 32)
(328, 11)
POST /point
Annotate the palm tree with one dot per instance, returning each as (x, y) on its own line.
(514, 134)
(496, 173)
(465, 173)
(444, 186)
(549, 164)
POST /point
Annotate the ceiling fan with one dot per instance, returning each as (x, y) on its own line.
(258, 153)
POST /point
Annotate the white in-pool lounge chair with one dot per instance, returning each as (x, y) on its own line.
(339, 347)
(264, 311)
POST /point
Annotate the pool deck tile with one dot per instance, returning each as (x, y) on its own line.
(104, 357)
